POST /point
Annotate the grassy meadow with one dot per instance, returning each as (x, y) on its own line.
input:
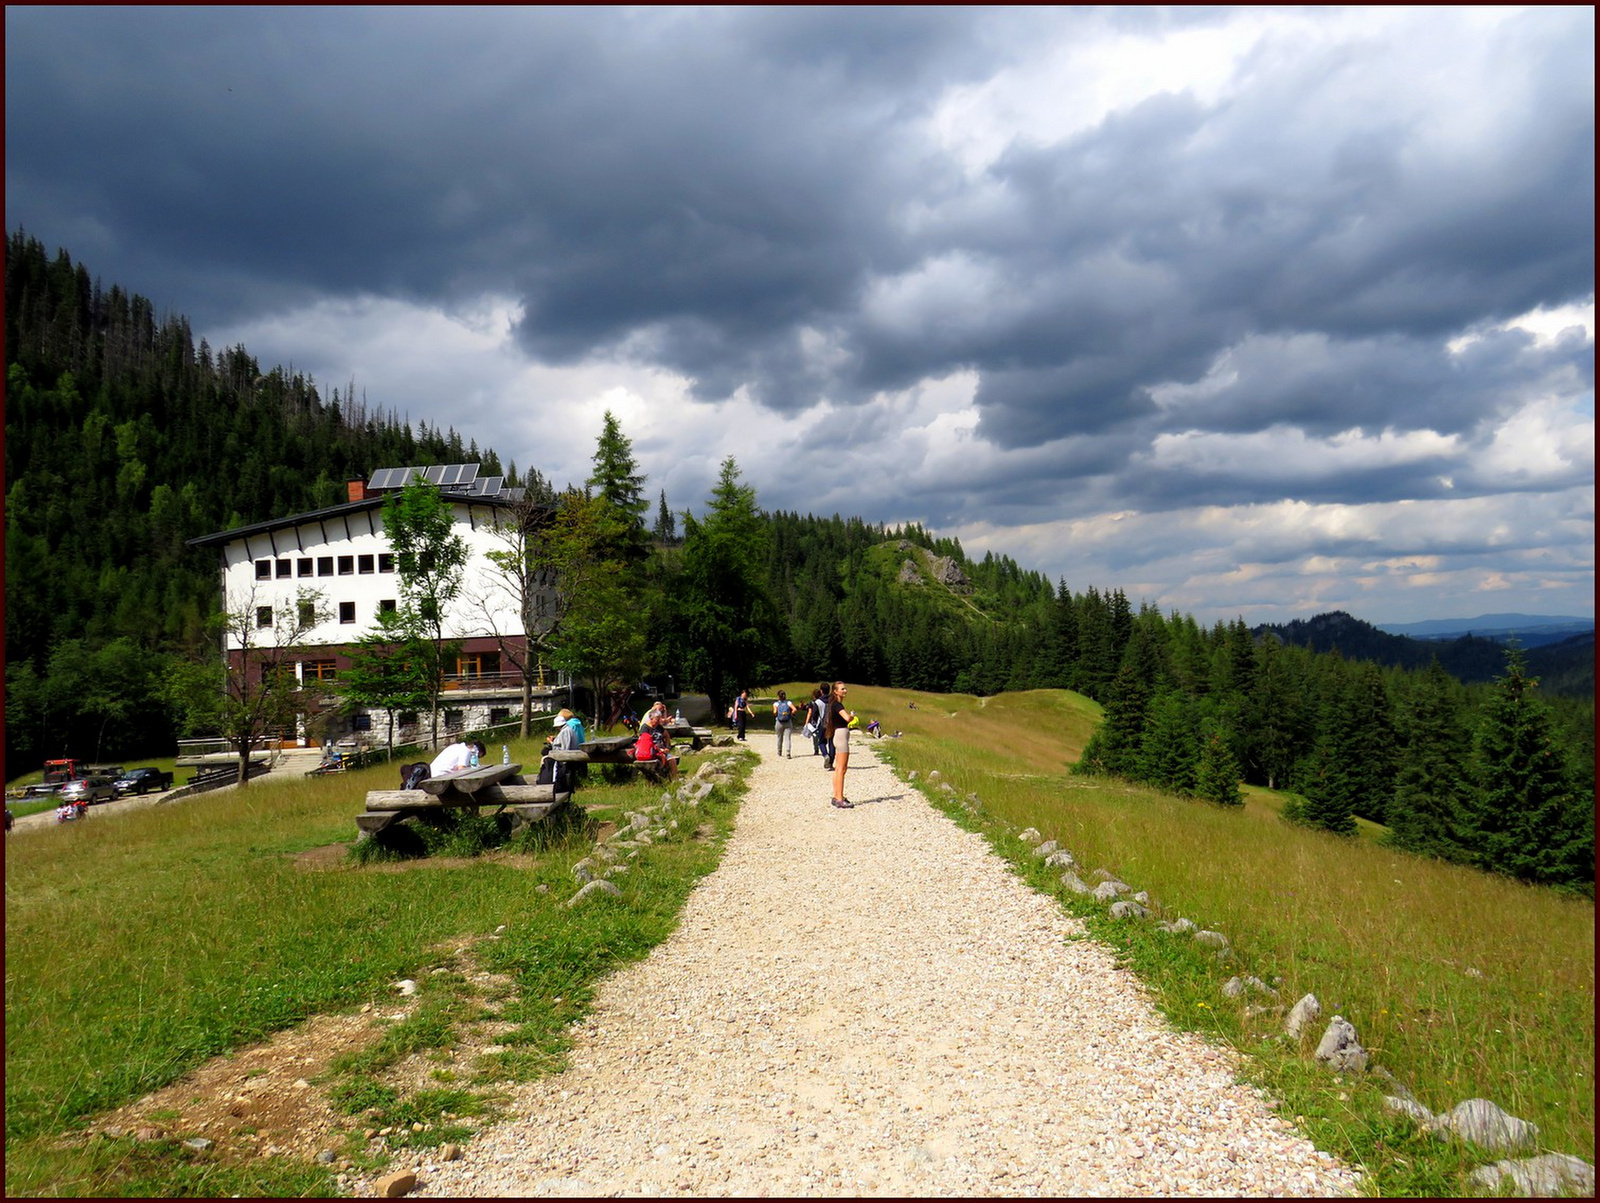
(139, 945)
(1460, 984)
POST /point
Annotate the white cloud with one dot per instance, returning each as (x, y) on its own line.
(1286, 454)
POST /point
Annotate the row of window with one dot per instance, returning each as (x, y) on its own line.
(383, 561)
(308, 612)
(468, 664)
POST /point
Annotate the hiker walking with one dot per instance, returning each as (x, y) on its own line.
(783, 725)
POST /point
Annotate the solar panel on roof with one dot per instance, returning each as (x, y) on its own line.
(388, 478)
(487, 486)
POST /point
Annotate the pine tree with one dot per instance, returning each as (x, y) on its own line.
(666, 524)
(1432, 790)
(1527, 820)
(723, 613)
(1218, 773)
(1168, 749)
(617, 480)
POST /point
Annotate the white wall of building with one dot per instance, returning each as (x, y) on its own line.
(342, 559)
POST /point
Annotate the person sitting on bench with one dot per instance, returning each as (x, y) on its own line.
(654, 745)
(455, 758)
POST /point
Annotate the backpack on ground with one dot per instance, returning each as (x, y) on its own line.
(557, 773)
(413, 775)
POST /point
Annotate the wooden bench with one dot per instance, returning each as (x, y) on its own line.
(499, 785)
(613, 750)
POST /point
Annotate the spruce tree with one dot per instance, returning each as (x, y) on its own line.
(618, 482)
(1527, 819)
(1170, 744)
(722, 612)
(1218, 772)
(666, 524)
(1432, 790)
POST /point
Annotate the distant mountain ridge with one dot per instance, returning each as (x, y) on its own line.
(1531, 630)
(1565, 666)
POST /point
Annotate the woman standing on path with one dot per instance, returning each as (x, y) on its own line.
(741, 711)
(839, 720)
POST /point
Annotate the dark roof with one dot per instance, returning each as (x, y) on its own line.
(224, 537)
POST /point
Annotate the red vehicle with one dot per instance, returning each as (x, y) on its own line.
(57, 771)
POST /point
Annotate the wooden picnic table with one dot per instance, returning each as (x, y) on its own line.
(497, 785)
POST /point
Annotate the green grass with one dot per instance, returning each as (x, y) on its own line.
(139, 946)
(1460, 984)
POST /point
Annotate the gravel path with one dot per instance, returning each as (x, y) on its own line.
(867, 1002)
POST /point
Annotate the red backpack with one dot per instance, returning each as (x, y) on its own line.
(645, 749)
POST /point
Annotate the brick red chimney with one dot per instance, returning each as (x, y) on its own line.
(356, 489)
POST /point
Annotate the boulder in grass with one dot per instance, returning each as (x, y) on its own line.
(1179, 927)
(1546, 1177)
(1211, 939)
(599, 886)
(1108, 890)
(1487, 1126)
(1410, 1107)
(1339, 1050)
(1060, 859)
(1302, 1015)
(1127, 909)
(1030, 836)
(1237, 987)
(1045, 849)
(1075, 883)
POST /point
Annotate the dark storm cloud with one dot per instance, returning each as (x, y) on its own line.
(756, 199)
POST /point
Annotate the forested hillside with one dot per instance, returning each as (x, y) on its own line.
(124, 439)
(1564, 666)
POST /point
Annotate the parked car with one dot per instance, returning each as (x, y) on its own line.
(41, 789)
(89, 790)
(142, 781)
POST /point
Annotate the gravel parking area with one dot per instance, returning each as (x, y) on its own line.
(867, 1002)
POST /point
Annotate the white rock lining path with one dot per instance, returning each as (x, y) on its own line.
(867, 1002)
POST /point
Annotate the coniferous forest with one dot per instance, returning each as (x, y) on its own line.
(124, 439)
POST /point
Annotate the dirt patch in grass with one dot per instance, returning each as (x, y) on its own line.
(278, 1098)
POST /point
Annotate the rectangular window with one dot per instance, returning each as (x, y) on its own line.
(347, 565)
(324, 565)
(364, 565)
(308, 614)
(305, 566)
(454, 720)
(478, 664)
(499, 714)
(263, 570)
(386, 561)
(263, 616)
(319, 670)
(347, 611)
(386, 606)
(285, 567)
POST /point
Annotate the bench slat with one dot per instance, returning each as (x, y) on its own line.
(470, 781)
(493, 795)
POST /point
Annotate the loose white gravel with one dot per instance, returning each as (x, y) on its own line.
(868, 1002)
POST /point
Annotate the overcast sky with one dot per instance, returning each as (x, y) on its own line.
(1247, 312)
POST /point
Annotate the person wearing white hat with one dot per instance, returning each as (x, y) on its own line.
(569, 734)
